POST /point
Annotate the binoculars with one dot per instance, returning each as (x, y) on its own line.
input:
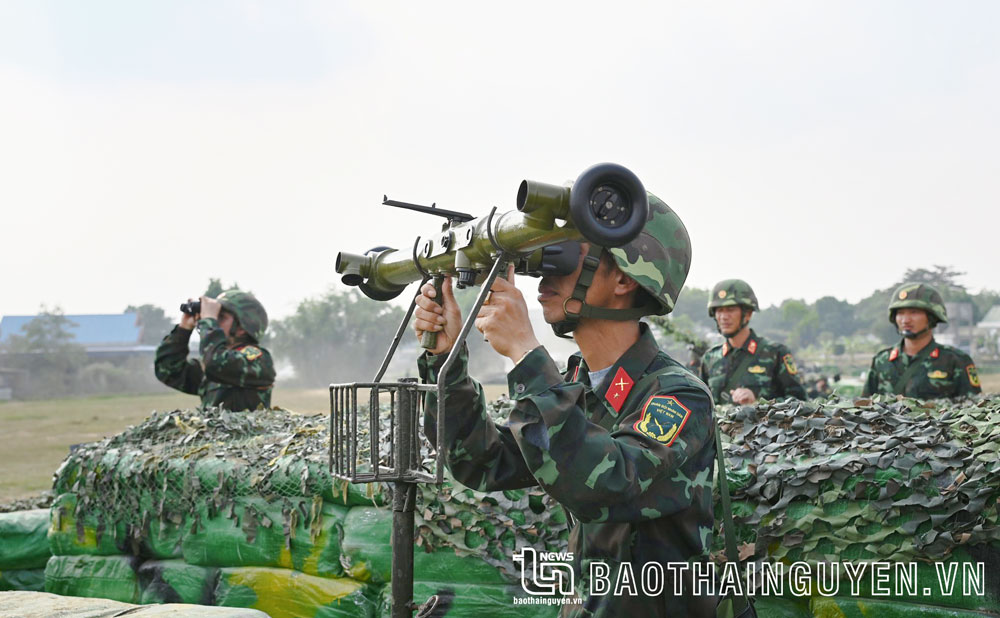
(192, 307)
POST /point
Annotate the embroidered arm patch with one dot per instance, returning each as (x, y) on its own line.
(790, 364)
(251, 353)
(662, 419)
(973, 375)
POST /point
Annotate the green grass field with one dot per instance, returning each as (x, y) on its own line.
(37, 434)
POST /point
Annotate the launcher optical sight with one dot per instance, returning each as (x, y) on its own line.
(606, 205)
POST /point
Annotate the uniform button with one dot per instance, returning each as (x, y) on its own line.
(519, 388)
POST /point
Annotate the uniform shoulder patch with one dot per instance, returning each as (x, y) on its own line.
(970, 370)
(937, 375)
(662, 419)
(790, 364)
(251, 352)
(757, 369)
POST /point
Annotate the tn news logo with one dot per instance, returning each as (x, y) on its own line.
(545, 573)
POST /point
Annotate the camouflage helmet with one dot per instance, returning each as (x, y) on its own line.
(918, 296)
(660, 256)
(732, 292)
(247, 309)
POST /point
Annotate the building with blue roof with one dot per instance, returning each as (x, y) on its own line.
(101, 335)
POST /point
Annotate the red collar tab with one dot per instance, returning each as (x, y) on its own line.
(752, 347)
(936, 352)
(725, 348)
(619, 389)
(576, 374)
(894, 354)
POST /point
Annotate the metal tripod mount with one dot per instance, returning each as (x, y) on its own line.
(354, 461)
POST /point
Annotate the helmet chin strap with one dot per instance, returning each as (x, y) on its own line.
(744, 322)
(909, 334)
(591, 262)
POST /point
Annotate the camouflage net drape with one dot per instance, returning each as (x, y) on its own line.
(181, 466)
(864, 480)
(892, 480)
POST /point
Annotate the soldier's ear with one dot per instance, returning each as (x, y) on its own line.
(624, 284)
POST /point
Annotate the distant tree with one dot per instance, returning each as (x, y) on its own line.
(338, 337)
(693, 303)
(154, 322)
(215, 288)
(835, 316)
(941, 277)
(45, 347)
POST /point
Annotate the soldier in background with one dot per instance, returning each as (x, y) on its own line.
(918, 366)
(624, 439)
(746, 366)
(235, 372)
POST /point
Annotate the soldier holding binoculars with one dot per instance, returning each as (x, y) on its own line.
(235, 372)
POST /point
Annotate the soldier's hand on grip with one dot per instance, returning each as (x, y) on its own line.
(504, 320)
(444, 319)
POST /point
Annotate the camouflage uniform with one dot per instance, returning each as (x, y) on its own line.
(630, 459)
(237, 374)
(935, 371)
(768, 369)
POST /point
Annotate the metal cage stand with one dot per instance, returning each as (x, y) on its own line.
(403, 466)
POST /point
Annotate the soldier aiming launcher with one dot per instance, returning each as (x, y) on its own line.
(607, 205)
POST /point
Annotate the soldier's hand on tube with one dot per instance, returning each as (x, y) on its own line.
(445, 319)
(504, 320)
(210, 308)
(188, 321)
(743, 396)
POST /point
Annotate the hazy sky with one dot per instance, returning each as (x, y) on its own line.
(810, 148)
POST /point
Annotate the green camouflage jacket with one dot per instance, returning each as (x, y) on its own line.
(236, 376)
(631, 460)
(935, 371)
(766, 368)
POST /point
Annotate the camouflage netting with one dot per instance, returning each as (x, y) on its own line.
(221, 508)
(864, 480)
(223, 490)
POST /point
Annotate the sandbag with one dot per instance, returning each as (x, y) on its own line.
(367, 554)
(103, 577)
(471, 601)
(74, 531)
(298, 534)
(175, 581)
(28, 579)
(847, 607)
(283, 593)
(22, 539)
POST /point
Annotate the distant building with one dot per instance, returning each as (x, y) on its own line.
(988, 333)
(960, 330)
(105, 336)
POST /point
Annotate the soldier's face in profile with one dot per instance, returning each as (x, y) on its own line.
(553, 291)
(226, 320)
(729, 319)
(909, 319)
